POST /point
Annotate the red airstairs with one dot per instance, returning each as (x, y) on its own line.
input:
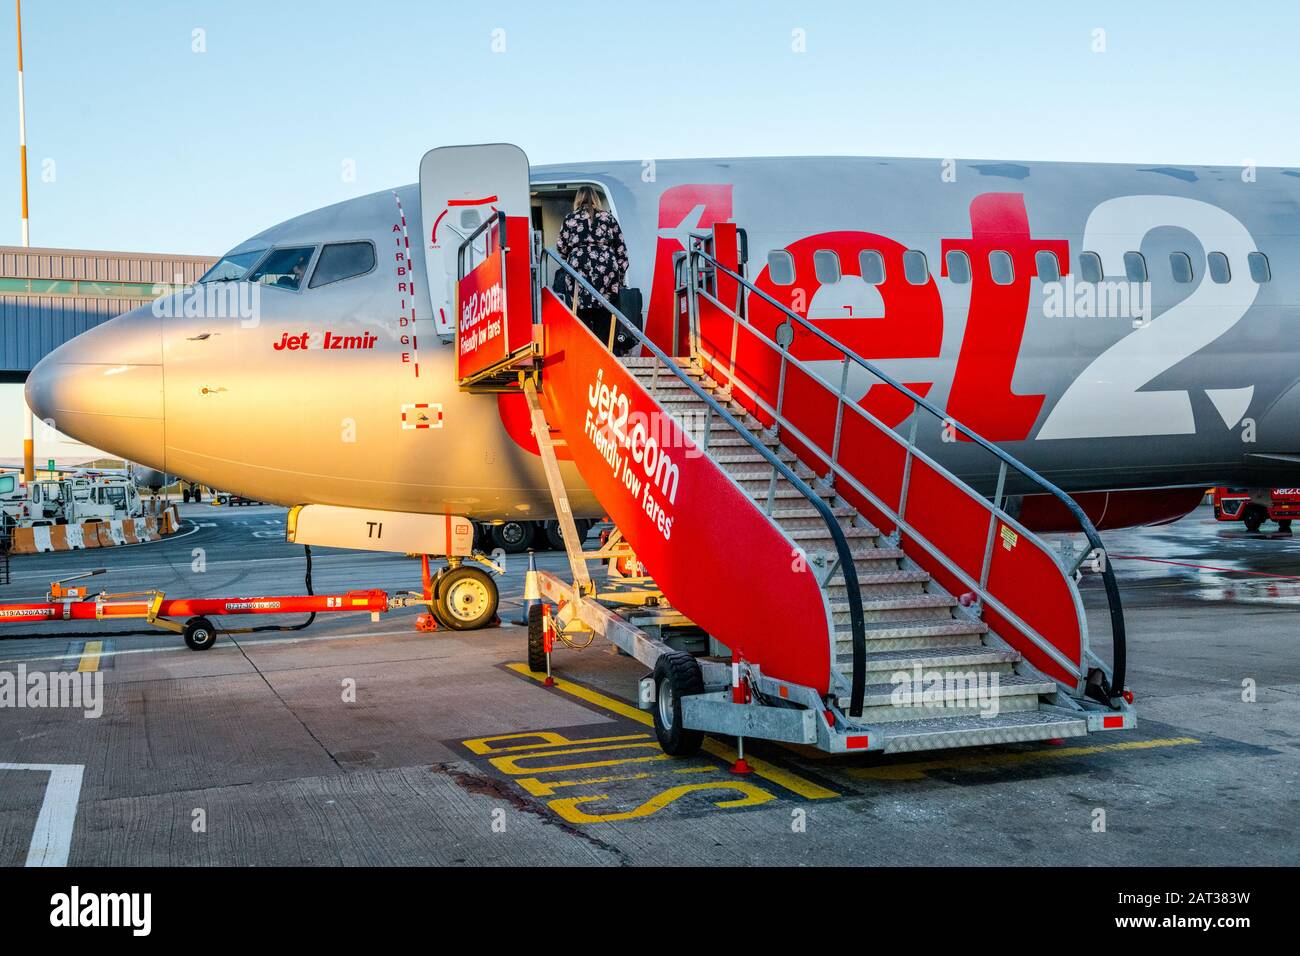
(811, 574)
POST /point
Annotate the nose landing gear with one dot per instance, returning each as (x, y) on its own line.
(461, 597)
(466, 599)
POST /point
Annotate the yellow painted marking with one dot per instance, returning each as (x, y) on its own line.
(510, 764)
(567, 807)
(782, 778)
(546, 738)
(917, 771)
(90, 657)
(546, 788)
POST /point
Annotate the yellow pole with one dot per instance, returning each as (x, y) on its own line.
(29, 435)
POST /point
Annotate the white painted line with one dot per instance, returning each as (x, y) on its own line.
(52, 836)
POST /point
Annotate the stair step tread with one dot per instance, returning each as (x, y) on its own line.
(808, 511)
(938, 657)
(857, 531)
(906, 629)
(900, 602)
(881, 553)
(935, 733)
(1008, 685)
(884, 577)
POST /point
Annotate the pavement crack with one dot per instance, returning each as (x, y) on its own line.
(491, 787)
(284, 703)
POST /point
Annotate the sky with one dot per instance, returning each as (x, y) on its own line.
(185, 126)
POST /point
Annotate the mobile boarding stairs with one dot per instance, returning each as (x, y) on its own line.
(810, 574)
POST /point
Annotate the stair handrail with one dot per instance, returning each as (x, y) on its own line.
(858, 686)
(1115, 687)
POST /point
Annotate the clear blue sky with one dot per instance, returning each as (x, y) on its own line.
(158, 148)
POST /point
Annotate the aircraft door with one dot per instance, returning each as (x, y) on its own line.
(460, 187)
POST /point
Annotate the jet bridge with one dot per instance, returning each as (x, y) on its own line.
(811, 574)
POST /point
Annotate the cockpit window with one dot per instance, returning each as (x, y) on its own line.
(232, 266)
(283, 268)
(342, 260)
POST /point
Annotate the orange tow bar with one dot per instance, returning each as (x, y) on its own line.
(64, 603)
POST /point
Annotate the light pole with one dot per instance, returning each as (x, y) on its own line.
(29, 434)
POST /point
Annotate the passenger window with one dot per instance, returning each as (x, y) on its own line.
(1090, 267)
(1180, 264)
(958, 264)
(1000, 265)
(780, 267)
(1259, 268)
(342, 260)
(872, 264)
(826, 266)
(1219, 270)
(283, 268)
(1049, 269)
(1135, 267)
(915, 269)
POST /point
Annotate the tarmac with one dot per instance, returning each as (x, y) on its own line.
(367, 743)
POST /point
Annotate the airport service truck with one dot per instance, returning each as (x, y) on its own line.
(1253, 506)
(72, 500)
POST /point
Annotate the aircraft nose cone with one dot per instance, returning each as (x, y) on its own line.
(104, 387)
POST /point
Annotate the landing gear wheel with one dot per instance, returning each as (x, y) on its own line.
(1253, 518)
(466, 599)
(200, 634)
(185, 495)
(512, 537)
(677, 675)
(536, 646)
(554, 537)
(1284, 526)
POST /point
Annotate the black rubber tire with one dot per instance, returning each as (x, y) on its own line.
(679, 674)
(536, 648)
(1284, 526)
(185, 495)
(454, 588)
(197, 495)
(512, 537)
(1253, 518)
(200, 634)
(553, 536)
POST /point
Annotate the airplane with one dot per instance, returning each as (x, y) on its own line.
(1120, 329)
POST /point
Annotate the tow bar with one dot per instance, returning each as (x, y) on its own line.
(73, 603)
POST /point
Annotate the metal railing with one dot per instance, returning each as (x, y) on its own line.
(843, 563)
(701, 265)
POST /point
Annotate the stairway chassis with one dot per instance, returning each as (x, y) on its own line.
(776, 709)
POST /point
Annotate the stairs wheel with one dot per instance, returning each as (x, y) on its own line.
(536, 648)
(677, 675)
(466, 599)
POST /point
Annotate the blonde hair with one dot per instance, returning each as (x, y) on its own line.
(587, 200)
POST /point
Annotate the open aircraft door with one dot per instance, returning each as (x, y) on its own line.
(461, 187)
